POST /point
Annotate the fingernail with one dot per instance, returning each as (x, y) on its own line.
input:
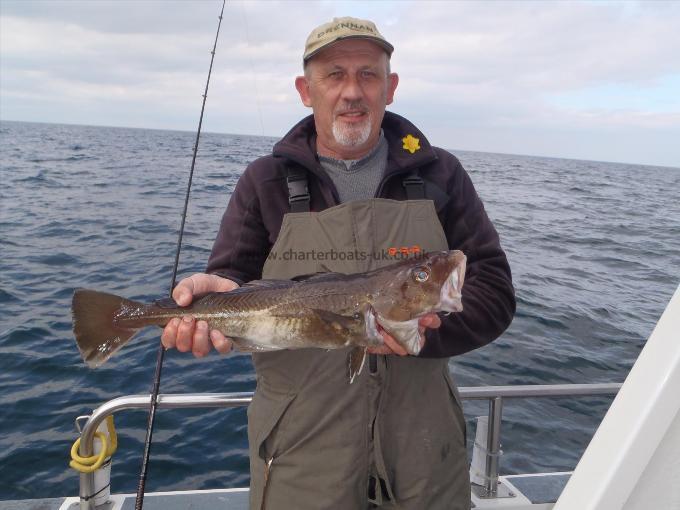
(175, 322)
(202, 325)
(188, 319)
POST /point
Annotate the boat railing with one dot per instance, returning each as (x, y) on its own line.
(494, 394)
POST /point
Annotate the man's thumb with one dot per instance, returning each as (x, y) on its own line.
(182, 295)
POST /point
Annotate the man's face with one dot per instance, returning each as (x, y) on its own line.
(348, 87)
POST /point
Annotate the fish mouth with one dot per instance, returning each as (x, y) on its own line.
(450, 296)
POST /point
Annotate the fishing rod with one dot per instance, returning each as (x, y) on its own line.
(139, 502)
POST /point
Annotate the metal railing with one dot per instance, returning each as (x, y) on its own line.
(494, 394)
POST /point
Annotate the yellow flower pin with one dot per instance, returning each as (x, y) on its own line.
(411, 143)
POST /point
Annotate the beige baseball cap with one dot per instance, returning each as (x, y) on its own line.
(340, 29)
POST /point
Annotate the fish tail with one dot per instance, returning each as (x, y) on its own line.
(98, 333)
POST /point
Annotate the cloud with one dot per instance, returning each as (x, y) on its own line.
(564, 44)
(528, 72)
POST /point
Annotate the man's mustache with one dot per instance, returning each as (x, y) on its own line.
(352, 107)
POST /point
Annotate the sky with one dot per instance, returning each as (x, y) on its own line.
(585, 80)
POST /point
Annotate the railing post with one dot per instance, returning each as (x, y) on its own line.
(86, 490)
(86, 479)
(493, 445)
(492, 488)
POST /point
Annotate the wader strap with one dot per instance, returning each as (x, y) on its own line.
(415, 186)
(417, 189)
(298, 189)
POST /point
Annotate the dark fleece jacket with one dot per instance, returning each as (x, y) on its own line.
(255, 212)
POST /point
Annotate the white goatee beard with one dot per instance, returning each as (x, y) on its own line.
(352, 135)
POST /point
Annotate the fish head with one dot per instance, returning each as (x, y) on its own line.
(429, 284)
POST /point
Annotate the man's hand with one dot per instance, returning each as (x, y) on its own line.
(187, 334)
(431, 320)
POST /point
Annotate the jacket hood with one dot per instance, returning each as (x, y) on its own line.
(408, 147)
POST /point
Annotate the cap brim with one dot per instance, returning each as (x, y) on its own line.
(380, 42)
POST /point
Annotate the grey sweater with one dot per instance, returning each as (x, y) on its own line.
(356, 179)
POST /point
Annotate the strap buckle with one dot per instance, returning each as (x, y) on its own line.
(413, 180)
(298, 191)
(414, 185)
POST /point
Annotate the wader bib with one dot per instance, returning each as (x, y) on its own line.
(395, 437)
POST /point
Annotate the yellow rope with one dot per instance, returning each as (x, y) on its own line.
(94, 462)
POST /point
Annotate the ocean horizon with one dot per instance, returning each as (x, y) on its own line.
(277, 137)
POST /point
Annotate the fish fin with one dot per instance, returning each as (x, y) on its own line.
(277, 283)
(336, 320)
(97, 334)
(262, 284)
(316, 277)
(215, 298)
(355, 362)
(166, 303)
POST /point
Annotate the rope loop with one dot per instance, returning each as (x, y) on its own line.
(94, 462)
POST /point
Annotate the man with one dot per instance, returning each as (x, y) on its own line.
(357, 179)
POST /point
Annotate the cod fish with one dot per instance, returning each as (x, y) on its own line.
(325, 310)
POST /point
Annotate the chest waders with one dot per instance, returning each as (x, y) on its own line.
(395, 437)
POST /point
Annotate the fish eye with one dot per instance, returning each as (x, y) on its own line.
(421, 274)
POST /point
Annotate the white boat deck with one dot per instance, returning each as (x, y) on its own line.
(531, 492)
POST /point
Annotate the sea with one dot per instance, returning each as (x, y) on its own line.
(594, 249)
